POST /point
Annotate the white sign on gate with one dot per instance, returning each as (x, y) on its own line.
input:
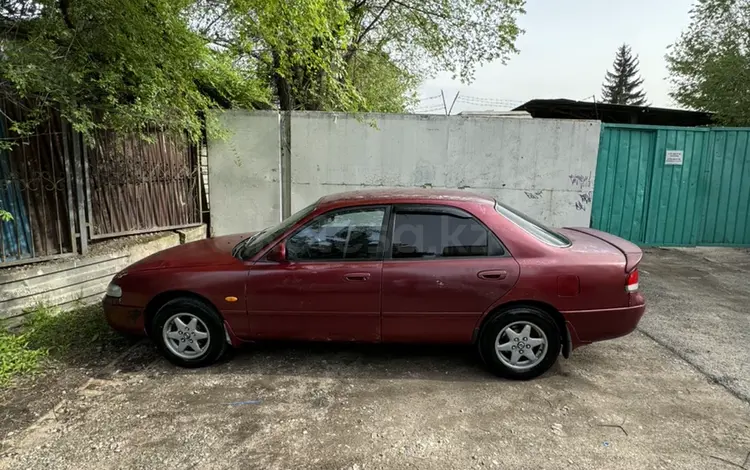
(674, 157)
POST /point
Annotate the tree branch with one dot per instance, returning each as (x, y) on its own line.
(352, 49)
(64, 6)
(358, 5)
(206, 29)
(12, 29)
(421, 10)
(373, 22)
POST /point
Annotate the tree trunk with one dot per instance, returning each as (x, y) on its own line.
(283, 90)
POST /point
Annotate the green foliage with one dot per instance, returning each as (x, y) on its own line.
(623, 85)
(74, 332)
(128, 64)
(48, 332)
(384, 86)
(328, 55)
(17, 357)
(5, 216)
(426, 36)
(709, 65)
(116, 64)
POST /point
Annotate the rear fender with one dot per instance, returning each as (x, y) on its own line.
(569, 337)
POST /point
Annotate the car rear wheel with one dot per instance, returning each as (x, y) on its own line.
(189, 333)
(520, 343)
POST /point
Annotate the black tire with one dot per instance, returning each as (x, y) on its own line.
(212, 322)
(526, 315)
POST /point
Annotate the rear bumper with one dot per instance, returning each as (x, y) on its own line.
(123, 318)
(588, 326)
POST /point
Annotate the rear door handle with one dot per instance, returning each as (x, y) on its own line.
(492, 275)
(357, 276)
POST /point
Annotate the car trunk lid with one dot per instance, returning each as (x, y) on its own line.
(633, 254)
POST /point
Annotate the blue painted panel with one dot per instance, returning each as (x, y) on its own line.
(16, 234)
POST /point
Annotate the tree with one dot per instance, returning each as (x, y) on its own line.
(623, 84)
(709, 65)
(314, 51)
(128, 64)
(119, 64)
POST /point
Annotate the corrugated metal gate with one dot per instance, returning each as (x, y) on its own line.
(727, 165)
(623, 175)
(699, 199)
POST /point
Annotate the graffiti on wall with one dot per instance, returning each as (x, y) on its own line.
(583, 184)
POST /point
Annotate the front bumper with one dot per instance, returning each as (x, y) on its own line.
(123, 318)
(588, 326)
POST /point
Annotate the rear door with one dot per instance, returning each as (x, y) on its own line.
(442, 269)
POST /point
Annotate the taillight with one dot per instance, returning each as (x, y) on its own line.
(632, 284)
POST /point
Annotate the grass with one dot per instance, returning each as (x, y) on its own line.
(17, 357)
(52, 335)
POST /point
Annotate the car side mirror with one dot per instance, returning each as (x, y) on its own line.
(277, 253)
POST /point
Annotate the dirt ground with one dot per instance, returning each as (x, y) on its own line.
(674, 395)
(700, 301)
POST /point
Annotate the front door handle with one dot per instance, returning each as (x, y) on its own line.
(357, 276)
(492, 275)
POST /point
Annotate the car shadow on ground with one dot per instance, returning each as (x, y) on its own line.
(335, 360)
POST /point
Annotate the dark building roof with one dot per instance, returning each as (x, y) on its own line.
(616, 113)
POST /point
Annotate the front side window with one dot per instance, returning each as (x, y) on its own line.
(340, 235)
(441, 235)
(249, 247)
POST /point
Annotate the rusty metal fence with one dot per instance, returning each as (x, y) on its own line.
(136, 185)
(62, 192)
(35, 188)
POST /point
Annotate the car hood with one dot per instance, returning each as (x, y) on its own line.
(213, 251)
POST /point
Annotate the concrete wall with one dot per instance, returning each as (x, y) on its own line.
(542, 167)
(68, 282)
(243, 170)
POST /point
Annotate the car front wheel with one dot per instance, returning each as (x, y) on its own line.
(189, 333)
(520, 343)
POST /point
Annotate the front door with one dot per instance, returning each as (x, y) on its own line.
(328, 289)
(443, 270)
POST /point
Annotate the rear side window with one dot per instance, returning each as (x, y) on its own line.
(533, 227)
(436, 235)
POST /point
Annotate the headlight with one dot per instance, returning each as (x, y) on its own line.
(113, 290)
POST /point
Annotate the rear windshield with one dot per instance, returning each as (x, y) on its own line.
(530, 225)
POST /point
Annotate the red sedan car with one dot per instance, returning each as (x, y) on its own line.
(431, 266)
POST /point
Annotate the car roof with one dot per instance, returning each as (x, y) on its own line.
(403, 196)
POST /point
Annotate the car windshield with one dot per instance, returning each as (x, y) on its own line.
(249, 247)
(538, 230)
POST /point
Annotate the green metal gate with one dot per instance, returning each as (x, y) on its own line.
(726, 217)
(623, 176)
(676, 197)
(673, 186)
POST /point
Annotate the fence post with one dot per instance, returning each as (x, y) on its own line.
(80, 198)
(66, 134)
(90, 221)
(285, 129)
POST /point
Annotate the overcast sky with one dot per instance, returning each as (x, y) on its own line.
(567, 48)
